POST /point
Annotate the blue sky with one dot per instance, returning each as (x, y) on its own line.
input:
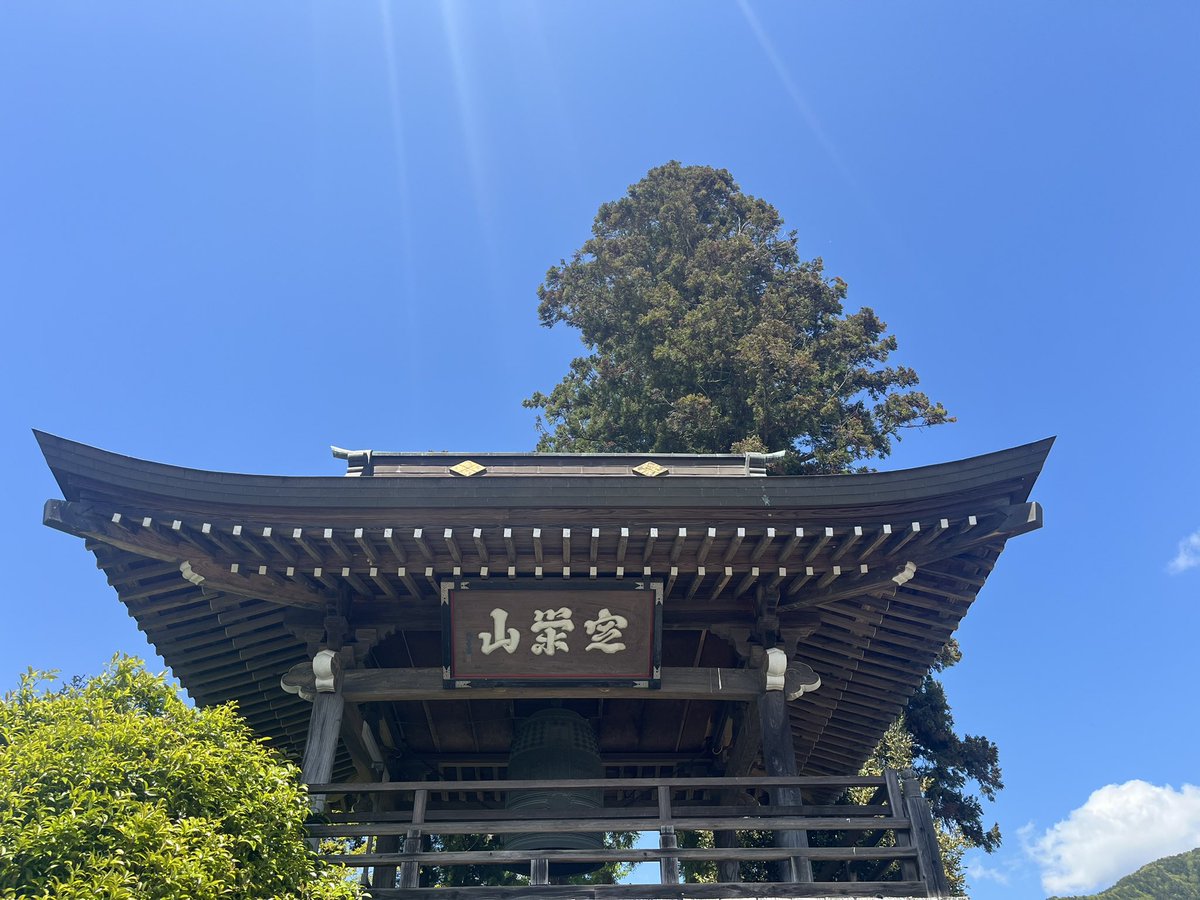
(232, 234)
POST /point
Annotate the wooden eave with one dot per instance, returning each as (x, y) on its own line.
(226, 573)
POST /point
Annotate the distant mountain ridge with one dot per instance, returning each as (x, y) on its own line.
(1169, 878)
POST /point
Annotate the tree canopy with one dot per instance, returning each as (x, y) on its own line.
(707, 332)
(114, 788)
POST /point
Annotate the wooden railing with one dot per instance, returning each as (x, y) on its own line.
(827, 847)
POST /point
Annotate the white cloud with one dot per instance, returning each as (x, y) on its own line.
(978, 871)
(1118, 830)
(1188, 556)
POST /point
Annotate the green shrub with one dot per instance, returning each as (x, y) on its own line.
(114, 788)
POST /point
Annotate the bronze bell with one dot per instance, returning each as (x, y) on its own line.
(555, 743)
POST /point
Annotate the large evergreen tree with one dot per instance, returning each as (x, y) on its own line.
(706, 332)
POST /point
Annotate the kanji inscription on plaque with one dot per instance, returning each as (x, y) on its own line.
(542, 634)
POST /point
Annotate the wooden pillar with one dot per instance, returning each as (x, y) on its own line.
(746, 743)
(385, 876)
(410, 872)
(668, 866)
(324, 726)
(779, 758)
(924, 836)
(899, 809)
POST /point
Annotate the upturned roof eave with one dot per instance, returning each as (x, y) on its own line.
(85, 472)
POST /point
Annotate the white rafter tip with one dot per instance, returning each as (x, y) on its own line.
(374, 572)
(317, 572)
(291, 571)
(233, 567)
(176, 525)
(262, 570)
(237, 530)
(345, 571)
(862, 570)
(267, 531)
(297, 533)
(147, 522)
(328, 533)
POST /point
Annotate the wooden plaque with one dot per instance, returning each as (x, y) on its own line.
(606, 632)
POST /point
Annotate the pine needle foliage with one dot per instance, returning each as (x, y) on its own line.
(707, 332)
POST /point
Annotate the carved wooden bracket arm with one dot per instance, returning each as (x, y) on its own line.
(793, 678)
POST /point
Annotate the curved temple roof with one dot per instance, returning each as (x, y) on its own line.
(231, 576)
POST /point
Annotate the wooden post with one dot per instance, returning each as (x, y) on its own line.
(779, 758)
(924, 836)
(899, 809)
(410, 872)
(385, 876)
(746, 744)
(668, 866)
(324, 726)
(779, 753)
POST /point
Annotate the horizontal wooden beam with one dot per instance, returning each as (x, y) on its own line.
(397, 685)
(713, 891)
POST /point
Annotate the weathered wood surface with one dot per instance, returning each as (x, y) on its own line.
(924, 836)
(678, 683)
(719, 891)
(324, 729)
(779, 759)
(632, 784)
(624, 823)
(491, 857)
(665, 892)
(446, 814)
(282, 543)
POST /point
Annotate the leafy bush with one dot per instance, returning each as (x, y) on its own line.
(116, 788)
